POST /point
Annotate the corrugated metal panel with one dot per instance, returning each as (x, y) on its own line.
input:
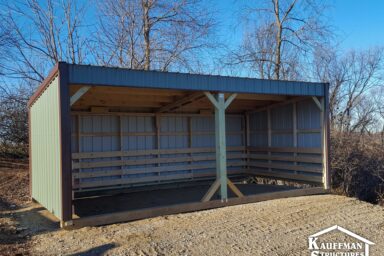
(45, 149)
(258, 125)
(96, 75)
(308, 117)
(203, 124)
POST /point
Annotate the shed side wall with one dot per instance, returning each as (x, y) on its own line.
(46, 149)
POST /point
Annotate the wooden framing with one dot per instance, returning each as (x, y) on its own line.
(220, 105)
(77, 171)
(181, 102)
(105, 219)
(75, 97)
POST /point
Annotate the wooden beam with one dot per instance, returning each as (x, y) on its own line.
(317, 102)
(75, 97)
(230, 99)
(221, 153)
(220, 105)
(274, 105)
(211, 99)
(261, 97)
(181, 102)
(211, 191)
(234, 189)
(110, 218)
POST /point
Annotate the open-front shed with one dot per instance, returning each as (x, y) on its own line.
(111, 144)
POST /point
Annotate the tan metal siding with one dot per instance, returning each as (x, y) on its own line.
(46, 150)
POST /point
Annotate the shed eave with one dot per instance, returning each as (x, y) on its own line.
(109, 76)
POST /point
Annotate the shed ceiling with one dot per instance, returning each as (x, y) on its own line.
(128, 99)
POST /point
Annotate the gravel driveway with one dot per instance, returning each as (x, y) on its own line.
(276, 227)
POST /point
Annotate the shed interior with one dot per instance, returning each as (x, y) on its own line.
(162, 141)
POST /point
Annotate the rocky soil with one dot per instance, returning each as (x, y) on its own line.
(276, 227)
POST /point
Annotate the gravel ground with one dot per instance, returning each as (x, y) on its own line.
(276, 227)
(14, 196)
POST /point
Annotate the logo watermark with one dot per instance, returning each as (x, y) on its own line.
(360, 247)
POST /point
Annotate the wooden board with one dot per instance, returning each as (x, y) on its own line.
(117, 217)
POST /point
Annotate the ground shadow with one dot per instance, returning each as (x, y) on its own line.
(17, 226)
(99, 250)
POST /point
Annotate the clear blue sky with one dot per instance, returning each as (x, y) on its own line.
(359, 23)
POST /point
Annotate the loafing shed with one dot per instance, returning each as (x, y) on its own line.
(112, 144)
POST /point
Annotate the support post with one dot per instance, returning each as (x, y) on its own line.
(221, 151)
(221, 148)
(325, 136)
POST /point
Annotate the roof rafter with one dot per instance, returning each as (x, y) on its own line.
(181, 102)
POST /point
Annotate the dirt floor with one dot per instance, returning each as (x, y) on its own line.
(276, 227)
(13, 197)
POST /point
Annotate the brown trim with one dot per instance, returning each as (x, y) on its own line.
(327, 137)
(65, 137)
(110, 218)
(43, 85)
(29, 153)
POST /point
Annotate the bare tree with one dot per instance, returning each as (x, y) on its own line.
(282, 34)
(353, 77)
(45, 32)
(152, 34)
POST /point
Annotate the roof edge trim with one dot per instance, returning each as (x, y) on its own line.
(52, 74)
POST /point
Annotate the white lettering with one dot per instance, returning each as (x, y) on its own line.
(312, 243)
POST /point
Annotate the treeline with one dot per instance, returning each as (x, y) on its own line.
(281, 39)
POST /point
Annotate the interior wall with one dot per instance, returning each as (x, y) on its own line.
(295, 131)
(106, 133)
(151, 149)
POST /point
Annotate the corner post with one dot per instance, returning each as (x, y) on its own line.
(326, 138)
(65, 137)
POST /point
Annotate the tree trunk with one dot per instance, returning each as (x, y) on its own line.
(146, 30)
(278, 41)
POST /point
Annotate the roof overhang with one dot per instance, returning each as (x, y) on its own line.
(98, 75)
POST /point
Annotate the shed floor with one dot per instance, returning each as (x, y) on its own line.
(160, 197)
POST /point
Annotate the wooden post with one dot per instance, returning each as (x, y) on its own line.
(221, 151)
(220, 105)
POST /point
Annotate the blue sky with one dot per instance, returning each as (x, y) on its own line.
(358, 23)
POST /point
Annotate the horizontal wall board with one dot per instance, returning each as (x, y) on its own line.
(150, 161)
(285, 176)
(303, 159)
(286, 167)
(287, 150)
(147, 179)
(188, 167)
(149, 152)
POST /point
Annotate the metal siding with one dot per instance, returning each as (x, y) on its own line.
(96, 75)
(308, 117)
(46, 149)
(258, 129)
